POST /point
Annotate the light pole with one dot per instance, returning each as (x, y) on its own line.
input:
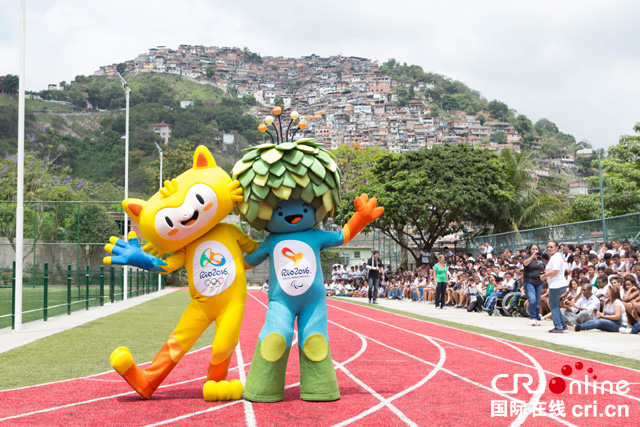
(587, 152)
(127, 92)
(160, 152)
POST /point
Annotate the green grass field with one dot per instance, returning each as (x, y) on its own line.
(85, 350)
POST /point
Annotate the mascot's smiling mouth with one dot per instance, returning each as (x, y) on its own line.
(191, 220)
(293, 219)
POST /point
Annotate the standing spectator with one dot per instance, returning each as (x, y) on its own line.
(425, 256)
(265, 286)
(554, 273)
(442, 281)
(373, 272)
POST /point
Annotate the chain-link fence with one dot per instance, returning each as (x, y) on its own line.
(618, 228)
(62, 259)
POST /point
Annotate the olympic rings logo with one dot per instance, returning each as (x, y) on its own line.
(214, 282)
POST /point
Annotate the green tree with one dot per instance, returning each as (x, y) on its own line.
(210, 71)
(430, 193)
(175, 161)
(92, 228)
(500, 138)
(482, 119)
(279, 101)
(499, 109)
(532, 205)
(121, 67)
(523, 124)
(546, 126)
(10, 84)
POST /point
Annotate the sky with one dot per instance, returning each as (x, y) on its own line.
(576, 63)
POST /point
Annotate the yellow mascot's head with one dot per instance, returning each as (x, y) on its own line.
(186, 207)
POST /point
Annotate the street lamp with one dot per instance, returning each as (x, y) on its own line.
(587, 152)
(160, 152)
(127, 92)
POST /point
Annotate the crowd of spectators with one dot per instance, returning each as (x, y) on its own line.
(580, 286)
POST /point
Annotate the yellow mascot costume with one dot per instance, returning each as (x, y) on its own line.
(183, 219)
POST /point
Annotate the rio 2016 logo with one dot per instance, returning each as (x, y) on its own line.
(296, 285)
(210, 257)
(295, 257)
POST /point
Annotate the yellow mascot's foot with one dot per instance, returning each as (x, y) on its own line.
(123, 363)
(222, 390)
(121, 360)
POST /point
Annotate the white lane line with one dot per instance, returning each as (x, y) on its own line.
(89, 376)
(97, 399)
(193, 414)
(535, 398)
(506, 396)
(489, 354)
(387, 402)
(489, 336)
(249, 415)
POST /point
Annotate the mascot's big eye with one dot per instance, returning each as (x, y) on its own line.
(166, 218)
(200, 199)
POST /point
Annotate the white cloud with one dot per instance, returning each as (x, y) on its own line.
(572, 62)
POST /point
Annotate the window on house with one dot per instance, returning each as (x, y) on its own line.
(356, 254)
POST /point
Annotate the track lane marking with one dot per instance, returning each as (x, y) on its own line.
(485, 353)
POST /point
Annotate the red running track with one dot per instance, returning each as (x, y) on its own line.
(393, 370)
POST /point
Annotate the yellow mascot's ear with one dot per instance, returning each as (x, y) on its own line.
(202, 158)
(134, 208)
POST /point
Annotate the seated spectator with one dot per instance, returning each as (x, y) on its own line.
(631, 299)
(500, 290)
(265, 286)
(613, 316)
(581, 309)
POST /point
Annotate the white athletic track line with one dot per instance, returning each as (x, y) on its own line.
(89, 376)
(535, 398)
(482, 352)
(447, 371)
(97, 399)
(182, 417)
(484, 335)
(387, 402)
(383, 402)
(249, 415)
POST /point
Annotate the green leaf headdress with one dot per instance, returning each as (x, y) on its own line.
(285, 170)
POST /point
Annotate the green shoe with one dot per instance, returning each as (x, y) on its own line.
(265, 380)
(318, 382)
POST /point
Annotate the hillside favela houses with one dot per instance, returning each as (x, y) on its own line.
(344, 99)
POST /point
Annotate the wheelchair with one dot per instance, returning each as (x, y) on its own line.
(513, 304)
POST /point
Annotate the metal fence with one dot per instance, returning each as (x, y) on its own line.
(577, 233)
(63, 250)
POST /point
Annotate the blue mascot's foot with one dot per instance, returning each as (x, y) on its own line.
(265, 380)
(318, 382)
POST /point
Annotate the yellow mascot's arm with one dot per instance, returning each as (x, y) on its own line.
(175, 261)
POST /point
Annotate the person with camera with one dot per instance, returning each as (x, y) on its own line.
(533, 268)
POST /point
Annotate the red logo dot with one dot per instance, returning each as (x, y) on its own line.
(579, 365)
(590, 370)
(566, 370)
(557, 385)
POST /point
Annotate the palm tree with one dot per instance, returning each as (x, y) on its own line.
(533, 206)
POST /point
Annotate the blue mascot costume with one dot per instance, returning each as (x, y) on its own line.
(290, 187)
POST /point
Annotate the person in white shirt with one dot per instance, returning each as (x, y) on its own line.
(583, 309)
(425, 256)
(265, 286)
(554, 274)
(613, 316)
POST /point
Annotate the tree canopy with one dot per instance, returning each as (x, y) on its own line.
(431, 193)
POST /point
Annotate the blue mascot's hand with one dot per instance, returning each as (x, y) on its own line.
(130, 253)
